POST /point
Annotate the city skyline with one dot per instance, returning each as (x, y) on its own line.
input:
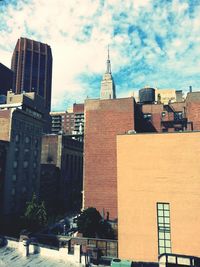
(152, 43)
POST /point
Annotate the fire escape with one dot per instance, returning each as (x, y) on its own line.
(173, 120)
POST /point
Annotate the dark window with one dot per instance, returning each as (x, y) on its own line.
(147, 116)
(34, 85)
(27, 71)
(178, 115)
(42, 75)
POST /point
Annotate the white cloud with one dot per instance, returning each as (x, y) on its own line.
(79, 31)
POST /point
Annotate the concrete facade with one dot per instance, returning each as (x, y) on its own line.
(104, 119)
(21, 124)
(3, 156)
(152, 169)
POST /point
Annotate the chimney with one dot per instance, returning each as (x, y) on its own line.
(190, 88)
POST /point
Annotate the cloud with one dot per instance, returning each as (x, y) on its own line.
(151, 42)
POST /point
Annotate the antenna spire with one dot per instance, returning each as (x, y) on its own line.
(108, 62)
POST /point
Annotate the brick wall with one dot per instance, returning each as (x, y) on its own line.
(193, 109)
(104, 120)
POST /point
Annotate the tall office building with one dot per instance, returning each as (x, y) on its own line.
(32, 67)
(107, 83)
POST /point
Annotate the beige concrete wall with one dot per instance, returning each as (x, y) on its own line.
(158, 168)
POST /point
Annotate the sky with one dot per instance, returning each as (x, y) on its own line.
(152, 43)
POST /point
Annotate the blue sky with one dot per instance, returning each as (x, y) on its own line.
(152, 42)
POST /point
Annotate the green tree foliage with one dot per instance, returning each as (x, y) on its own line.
(35, 214)
(90, 224)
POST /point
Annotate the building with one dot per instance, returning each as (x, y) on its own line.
(166, 96)
(70, 123)
(58, 122)
(173, 116)
(67, 155)
(32, 67)
(31, 103)
(50, 187)
(3, 156)
(158, 195)
(104, 119)
(78, 110)
(6, 82)
(107, 83)
(22, 126)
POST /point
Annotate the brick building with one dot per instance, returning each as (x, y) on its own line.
(104, 119)
(70, 123)
(78, 110)
(66, 155)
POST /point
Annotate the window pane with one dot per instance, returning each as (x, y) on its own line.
(161, 243)
(167, 235)
(168, 243)
(160, 213)
(166, 206)
(166, 213)
(160, 206)
(168, 250)
(161, 235)
(166, 219)
(162, 250)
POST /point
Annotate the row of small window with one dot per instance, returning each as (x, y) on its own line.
(14, 177)
(177, 115)
(25, 164)
(26, 152)
(23, 190)
(27, 140)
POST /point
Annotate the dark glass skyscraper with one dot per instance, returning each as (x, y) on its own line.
(32, 67)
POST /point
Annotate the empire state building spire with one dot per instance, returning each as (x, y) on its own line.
(107, 83)
(108, 63)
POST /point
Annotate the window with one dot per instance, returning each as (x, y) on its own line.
(15, 164)
(163, 114)
(25, 164)
(17, 138)
(147, 116)
(14, 177)
(164, 231)
(27, 140)
(178, 115)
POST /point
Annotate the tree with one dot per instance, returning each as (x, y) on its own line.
(91, 224)
(35, 214)
(88, 222)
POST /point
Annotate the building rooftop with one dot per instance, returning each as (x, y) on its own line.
(12, 258)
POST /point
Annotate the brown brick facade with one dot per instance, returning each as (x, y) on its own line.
(104, 120)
